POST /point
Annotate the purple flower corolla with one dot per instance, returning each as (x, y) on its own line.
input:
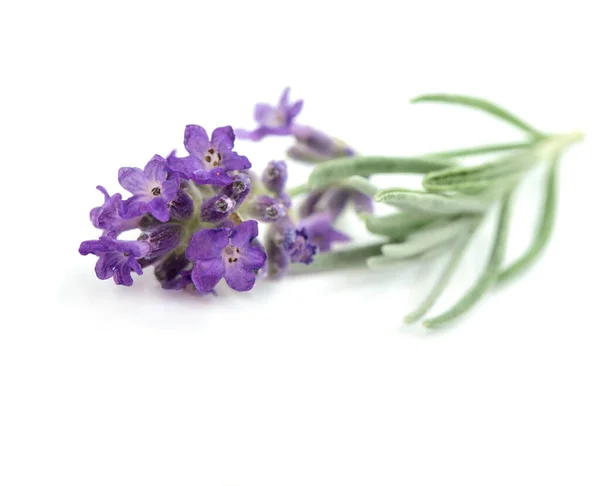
(275, 175)
(108, 216)
(321, 232)
(267, 209)
(226, 253)
(216, 208)
(152, 189)
(209, 160)
(287, 244)
(162, 239)
(238, 190)
(315, 146)
(117, 258)
(274, 120)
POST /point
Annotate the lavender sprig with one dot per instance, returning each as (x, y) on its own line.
(198, 215)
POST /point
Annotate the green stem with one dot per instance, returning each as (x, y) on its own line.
(342, 258)
(298, 190)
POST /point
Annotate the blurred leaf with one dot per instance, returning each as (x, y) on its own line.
(480, 104)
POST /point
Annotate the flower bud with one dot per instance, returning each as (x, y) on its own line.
(216, 208)
(315, 146)
(275, 176)
(238, 189)
(267, 209)
(182, 207)
(162, 239)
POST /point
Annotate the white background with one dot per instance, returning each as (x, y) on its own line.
(315, 380)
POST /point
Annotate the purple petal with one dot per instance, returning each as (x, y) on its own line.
(184, 166)
(244, 233)
(156, 169)
(284, 100)
(207, 244)
(222, 139)
(122, 274)
(253, 257)
(239, 278)
(207, 273)
(95, 247)
(134, 206)
(233, 161)
(136, 248)
(362, 202)
(195, 140)
(295, 109)
(106, 264)
(133, 179)
(134, 265)
(215, 177)
(262, 113)
(169, 188)
(158, 208)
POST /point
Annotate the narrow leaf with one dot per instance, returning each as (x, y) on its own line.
(544, 227)
(340, 169)
(426, 239)
(490, 275)
(481, 150)
(480, 104)
(430, 203)
(341, 258)
(397, 225)
(505, 170)
(443, 279)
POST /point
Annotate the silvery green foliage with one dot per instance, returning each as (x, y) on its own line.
(447, 212)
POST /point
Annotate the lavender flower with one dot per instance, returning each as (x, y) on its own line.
(238, 190)
(182, 207)
(174, 272)
(108, 216)
(273, 120)
(320, 231)
(117, 258)
(216, 208)
(267, 209)
(209, 160)
(315, 146)
(162, 239)
(287, 244)
(226, 253)
(275, 175)
(152, 189)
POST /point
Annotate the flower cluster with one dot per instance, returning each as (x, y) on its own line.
(185, 208)
(199, 214)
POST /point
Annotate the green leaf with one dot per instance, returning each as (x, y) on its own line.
(490, 275)
(544, 227)
(339, 169)
(426, 239)
(481, 150)
(443, 279)
(362, 185)
(505, 170)
(397, 225)
(480, 104)
(431, 203)
(341, 258)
